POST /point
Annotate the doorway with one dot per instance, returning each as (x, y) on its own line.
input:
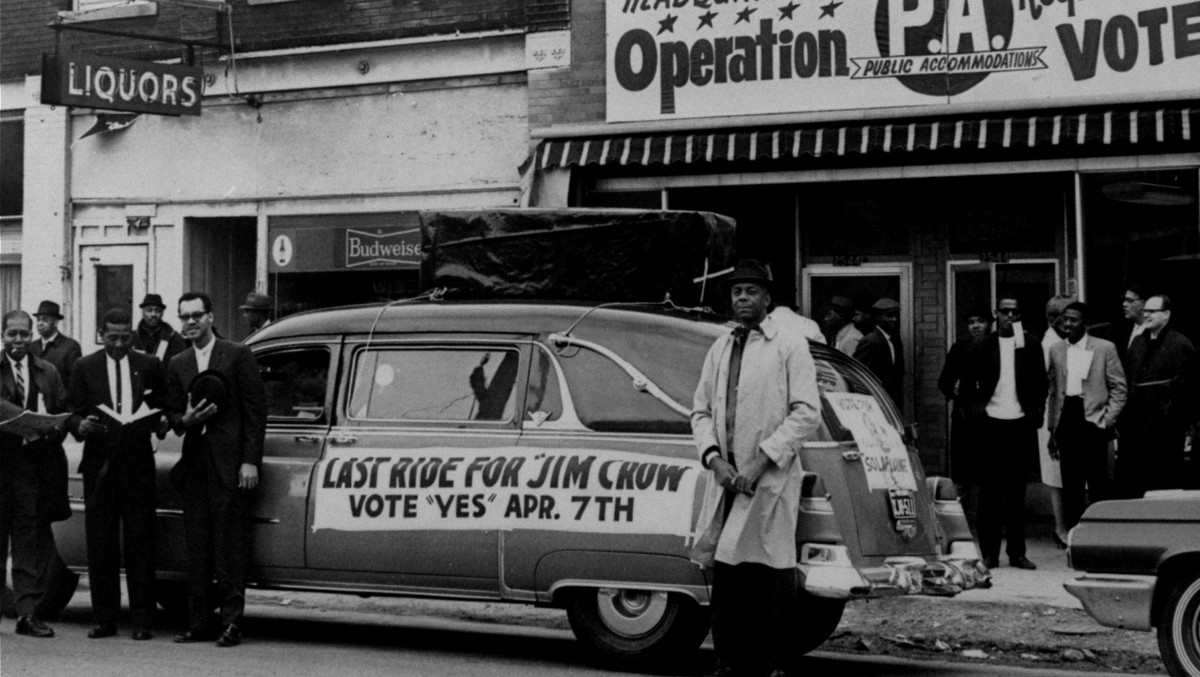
(221, 258)
(975, 283)
(875, 281)
(114, 276)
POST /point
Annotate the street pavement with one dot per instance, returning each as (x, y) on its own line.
(1043, 586)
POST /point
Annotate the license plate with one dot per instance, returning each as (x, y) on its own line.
(902, 504)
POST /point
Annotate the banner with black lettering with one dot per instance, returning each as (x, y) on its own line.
(671, 59)
(506, 489)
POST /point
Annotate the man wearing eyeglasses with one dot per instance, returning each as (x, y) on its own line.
(1004, 386)
(33, 474)
(218, 469)
(118, 472)
(1163, 406)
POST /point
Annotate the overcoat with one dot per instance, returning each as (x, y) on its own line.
(778, 407)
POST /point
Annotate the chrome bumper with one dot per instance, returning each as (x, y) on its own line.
(898, 576)
(1115, 600)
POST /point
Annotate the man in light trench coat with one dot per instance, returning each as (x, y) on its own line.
(756, 402)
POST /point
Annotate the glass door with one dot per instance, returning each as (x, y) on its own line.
(972, 283)
(114, 276)
(868, 281)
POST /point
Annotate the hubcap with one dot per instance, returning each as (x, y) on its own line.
(631, 613)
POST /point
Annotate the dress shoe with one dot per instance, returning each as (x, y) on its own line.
(991, 562)
(1062, 545)
(1022, 563)
(142, 634)
(191, 636)
(31, 626)
(102, 630)
(231, 637)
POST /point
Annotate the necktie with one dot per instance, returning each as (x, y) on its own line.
(19, 375)
(120, 394)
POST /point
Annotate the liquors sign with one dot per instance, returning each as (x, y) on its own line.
(670, 59)
(108, 83)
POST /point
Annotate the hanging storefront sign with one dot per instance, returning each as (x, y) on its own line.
(671, 59)
(108, 83)
(305, 244)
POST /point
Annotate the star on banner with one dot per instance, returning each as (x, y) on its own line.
(707, 20)
(667, 24)
(828, 10)
(744, 15)
(785, 12)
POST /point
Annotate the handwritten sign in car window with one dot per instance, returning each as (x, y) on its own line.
(504, 489)
(884, 457)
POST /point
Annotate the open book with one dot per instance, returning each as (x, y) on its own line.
(126, 419)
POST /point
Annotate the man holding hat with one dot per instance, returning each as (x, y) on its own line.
(223, 427)
(256, 311)
(58, 349)
(756, 401)
(154, 335)
(881, 350)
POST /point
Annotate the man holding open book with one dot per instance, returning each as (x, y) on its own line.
(116, 397)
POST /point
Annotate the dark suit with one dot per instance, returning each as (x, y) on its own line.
(165, 343)
(118, 485)
(216, 513)
(63, 352)
(1008, 449)
(873, 351)
(33, 487)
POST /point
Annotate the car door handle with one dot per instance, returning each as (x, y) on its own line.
(311, 439)
(343, 440)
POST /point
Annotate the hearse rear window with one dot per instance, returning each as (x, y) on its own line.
(434, 384)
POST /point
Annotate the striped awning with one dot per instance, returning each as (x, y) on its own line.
(1087, 131)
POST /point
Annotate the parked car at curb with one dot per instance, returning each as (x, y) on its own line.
(1141, 560)
(542, 454)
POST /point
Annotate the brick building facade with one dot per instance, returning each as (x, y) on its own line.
(317, 118)
(850, 179)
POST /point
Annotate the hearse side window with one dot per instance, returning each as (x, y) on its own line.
(296, 383)
(434, 384)
(543, 399)
(606, 400)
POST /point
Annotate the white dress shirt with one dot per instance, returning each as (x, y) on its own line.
(203, 355)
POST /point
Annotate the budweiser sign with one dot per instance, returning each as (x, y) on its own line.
(383, 248)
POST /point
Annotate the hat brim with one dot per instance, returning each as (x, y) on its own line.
(765, 284)
(160, 306)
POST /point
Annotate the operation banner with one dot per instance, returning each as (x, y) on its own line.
(671, 59)
(506, 489)
(884, 456)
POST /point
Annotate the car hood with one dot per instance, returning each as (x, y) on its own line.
(1165, 506)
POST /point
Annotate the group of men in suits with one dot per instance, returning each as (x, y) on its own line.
(1092, 390)
(118, 398)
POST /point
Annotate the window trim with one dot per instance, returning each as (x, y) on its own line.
(519, 386)
(326, 417)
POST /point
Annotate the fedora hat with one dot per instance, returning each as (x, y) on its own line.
(752, 270)
(48, 308)
(153, 301)
(210, 385)
(256, 301)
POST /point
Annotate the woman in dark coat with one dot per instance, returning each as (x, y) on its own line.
(962, 449)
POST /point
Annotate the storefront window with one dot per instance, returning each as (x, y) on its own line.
(1143, 228)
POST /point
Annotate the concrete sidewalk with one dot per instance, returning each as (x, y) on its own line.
(1041, 586)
